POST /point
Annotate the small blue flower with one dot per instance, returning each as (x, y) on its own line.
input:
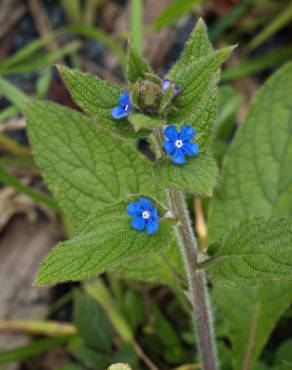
(165, 85)
(179, 144)
(144, 215)
(124, 108)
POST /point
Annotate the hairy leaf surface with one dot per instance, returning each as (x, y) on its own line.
(85, 166)
(136, 66)
(105, 241)
(199, 175)
(257, 251)
(257, 181)
(197, 46)
(162, 268)
(201, 113)
(97, 98)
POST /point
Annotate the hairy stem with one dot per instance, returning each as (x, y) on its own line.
(198, 292)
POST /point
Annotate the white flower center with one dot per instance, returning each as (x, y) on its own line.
(178, 143)
(146, 215)
(126, 107)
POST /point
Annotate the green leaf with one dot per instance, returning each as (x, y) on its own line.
(141, 121)
(196, 104)
(172, 347)
(202, 117)
(251, 315)
(163, 268)
(257, 251)
(105, 241)
(199, 175)
(257, 181)
(137, 66)
(197, 46)
(194, 79)
(92, 323)
(97, 98)
(134, 308)
(284, 353)
(256, 176)
(126, 354)
(91, 358)
(84, 166)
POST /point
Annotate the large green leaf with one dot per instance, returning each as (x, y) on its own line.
(84, 166)
(105, 241)
(251, 315)
(97, 98)
(199, 175)
(257, 181)
(257, 251)
(257, 177)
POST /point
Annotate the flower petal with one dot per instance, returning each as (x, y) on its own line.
(146, 204)
(191, 148)
(138, 223)
(133, 209)
(178, 157)
(154, 214)
(169, 147)
(165, 84)
(124, 98)
(152, 226)
(170, 133)
(118, 112)
(186, 133)
(176, 90)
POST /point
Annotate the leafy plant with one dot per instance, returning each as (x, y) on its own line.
(130, 213)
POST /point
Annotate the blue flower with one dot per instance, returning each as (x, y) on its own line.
(124, 108)
(144, 216)
(165, 85)
(179, 144)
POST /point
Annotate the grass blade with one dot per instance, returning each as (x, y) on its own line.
(279, 22)
(10, 180)
(251, 66)
(30, 350)
(136, 24)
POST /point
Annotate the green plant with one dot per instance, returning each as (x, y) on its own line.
(130, 213)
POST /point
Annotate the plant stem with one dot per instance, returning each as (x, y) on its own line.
(198, 292)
